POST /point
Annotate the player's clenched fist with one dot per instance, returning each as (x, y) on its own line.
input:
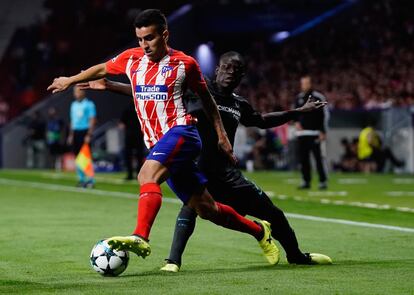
(59, 84)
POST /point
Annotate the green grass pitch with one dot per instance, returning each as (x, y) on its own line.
(48, 229)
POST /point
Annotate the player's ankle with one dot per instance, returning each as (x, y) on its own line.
(141, 237)
(171, 261)
(260, 236)
(299, 258)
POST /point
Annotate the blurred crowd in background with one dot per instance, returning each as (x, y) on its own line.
(360, 60)
(59, 42)
(364, 60)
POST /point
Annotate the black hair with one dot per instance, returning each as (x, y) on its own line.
(344, 141)
(151, 17)
(370, 121)
(233, 54)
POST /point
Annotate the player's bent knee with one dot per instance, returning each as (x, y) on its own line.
(206, 210)
(144, 178)
(204, 204)
(152, 172)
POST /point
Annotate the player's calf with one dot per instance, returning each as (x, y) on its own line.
(223, 215)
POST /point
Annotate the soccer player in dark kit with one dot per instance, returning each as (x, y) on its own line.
(225, 182)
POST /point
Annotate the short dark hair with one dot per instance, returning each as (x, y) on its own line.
(370, 121)
(151, 17)
(233, 54)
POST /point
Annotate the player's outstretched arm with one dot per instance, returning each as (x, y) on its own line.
(211, 110)
(105, 84)
(93, 73)
(274, 119)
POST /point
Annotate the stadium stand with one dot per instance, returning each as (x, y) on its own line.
(361, 59)
(50, 46)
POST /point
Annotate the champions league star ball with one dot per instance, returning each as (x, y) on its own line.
(108, 262)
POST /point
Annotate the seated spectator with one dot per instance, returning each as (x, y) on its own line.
(371, 152)
(349, 160)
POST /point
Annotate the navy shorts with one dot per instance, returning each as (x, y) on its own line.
(178, 150)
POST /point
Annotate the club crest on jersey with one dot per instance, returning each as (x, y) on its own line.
(166, 71)
(151, 92)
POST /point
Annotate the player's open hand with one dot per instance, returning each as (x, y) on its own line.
(312, 104)
(99, 84)
(225, 146)
(59, 84)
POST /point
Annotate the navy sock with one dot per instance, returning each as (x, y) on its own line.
(184, 228)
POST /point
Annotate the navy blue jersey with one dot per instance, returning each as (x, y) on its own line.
(234, 110)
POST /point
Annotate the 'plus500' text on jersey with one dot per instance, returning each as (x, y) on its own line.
(151, 92)
(158, 88)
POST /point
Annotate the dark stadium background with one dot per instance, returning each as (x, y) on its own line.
(359, 54)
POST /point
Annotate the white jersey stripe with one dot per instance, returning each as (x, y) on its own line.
(161, 106)
(178, 95)
(128, 67)
(140, 80)
(144, 107)
(175, 70)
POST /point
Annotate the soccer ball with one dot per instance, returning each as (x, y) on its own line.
(108, 262)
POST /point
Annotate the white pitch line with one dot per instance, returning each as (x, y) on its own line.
(348, 203)
(328, 194)
(403, 180)
(349, 222)
(400, 194)
(352, 180)
(104, 179)
(292, 180)
(58, 187)
(65, 188)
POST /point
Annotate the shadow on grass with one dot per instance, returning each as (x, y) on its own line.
(377, 262)
(247, 269)
(267, 268)
(12, 283)
(94, 280)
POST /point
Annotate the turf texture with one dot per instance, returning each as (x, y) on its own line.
(47, 232)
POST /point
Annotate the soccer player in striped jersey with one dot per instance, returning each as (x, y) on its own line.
(159, 76)
(226, 182)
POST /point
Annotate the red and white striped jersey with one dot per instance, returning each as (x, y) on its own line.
(158, 88)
